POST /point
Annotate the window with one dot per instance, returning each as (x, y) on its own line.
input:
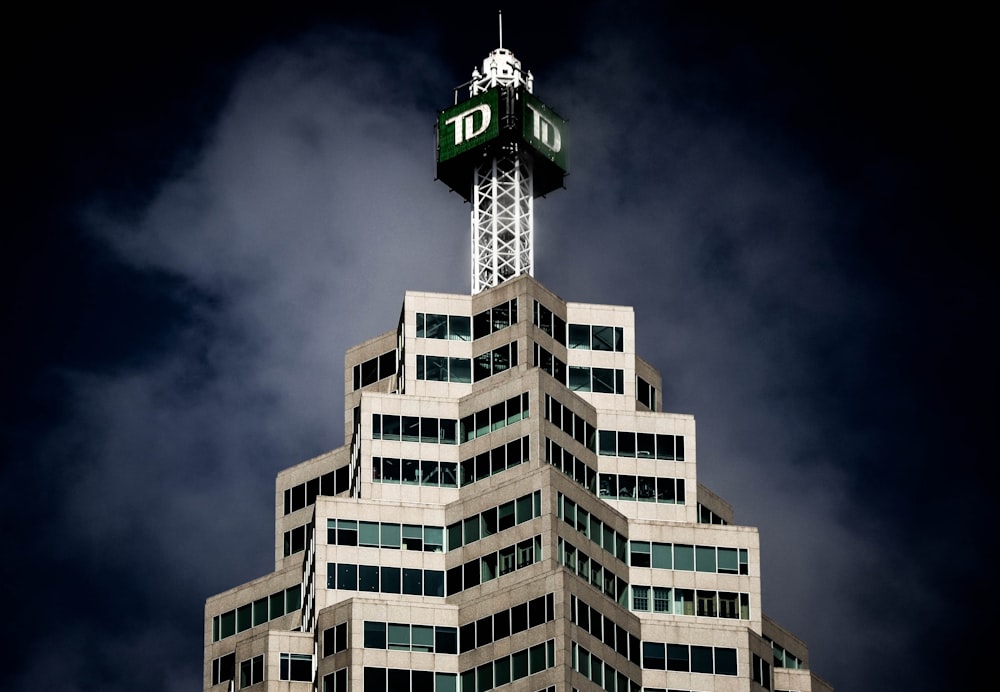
(640, 598)
(296, 667)
(223, 668)
(251, 671)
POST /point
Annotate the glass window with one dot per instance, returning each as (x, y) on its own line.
(433, 539)
(413, 581)
(399, 636)
(295, 667)
(654, 655)
(436, 326)
(447, 428)
(391, 580)
(368, 578)
(677, 657)
(604, 380)
(347, 577)
(374, 635)
(459, 327)
(390, 535)
(368, 533)
(725, 661)
(433, 582)
(579, 378)
(662, 555)
(728, 561)
(661, 599)
(705, 558)
(523, 510)
(640, 598)
(665, 447)
(701, 659)
(639, 554)
(579, 336)
(413, 537)
(461, 370)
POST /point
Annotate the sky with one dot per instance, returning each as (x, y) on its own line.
(207, 208)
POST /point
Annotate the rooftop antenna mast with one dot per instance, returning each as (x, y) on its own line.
(500, 149)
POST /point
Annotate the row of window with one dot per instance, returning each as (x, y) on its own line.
(390, 426)
(601, 673)
(450, 327)
(579, 378)
(373, 534)
(494, 520)
(336, 681)
(604, 629)
(700, 602)
(620, 443)
(494, 564)
(691, 558)
(592, 572)
(571, 423)
(335, 639)
(251, 671)
(714, 660)
(374, 369)
(784, 659)
(594, 337)
(295, 667)
(449, 474)
(448, 430)
(591, 526)
(444, 369)
(641, 488)
(493, 461)
(403, 680)
(506, 623)
(443, 474)
(450, 369)
(645, 393)
(375, 579)
(256, 613)
(495, 417)
(296, 539)
(462, 328)
(760, 672)
(707, 516)
(583, 474)
(549, 322)
(304, 494)
(508, 669)
(403, 636)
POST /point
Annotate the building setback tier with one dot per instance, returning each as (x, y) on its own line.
(511, 509)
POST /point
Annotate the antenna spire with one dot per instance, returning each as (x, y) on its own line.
(500, 21)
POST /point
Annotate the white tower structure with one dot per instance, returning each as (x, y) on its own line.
(500, 149)
(502, 199)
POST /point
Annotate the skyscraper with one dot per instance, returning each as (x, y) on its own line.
(512, 508)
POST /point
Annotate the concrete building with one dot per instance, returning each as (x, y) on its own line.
(512, 508)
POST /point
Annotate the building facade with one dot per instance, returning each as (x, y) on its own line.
(511, 508)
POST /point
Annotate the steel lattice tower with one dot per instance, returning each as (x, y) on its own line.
(500, 149)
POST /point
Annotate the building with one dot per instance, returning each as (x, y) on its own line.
(511, 507)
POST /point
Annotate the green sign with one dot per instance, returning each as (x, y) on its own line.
(544, 130)
(468, 124)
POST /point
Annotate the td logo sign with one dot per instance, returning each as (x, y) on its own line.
(544, 130)
(468, 125)
(465, 125)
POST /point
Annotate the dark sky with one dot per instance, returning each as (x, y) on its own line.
(207, 209)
